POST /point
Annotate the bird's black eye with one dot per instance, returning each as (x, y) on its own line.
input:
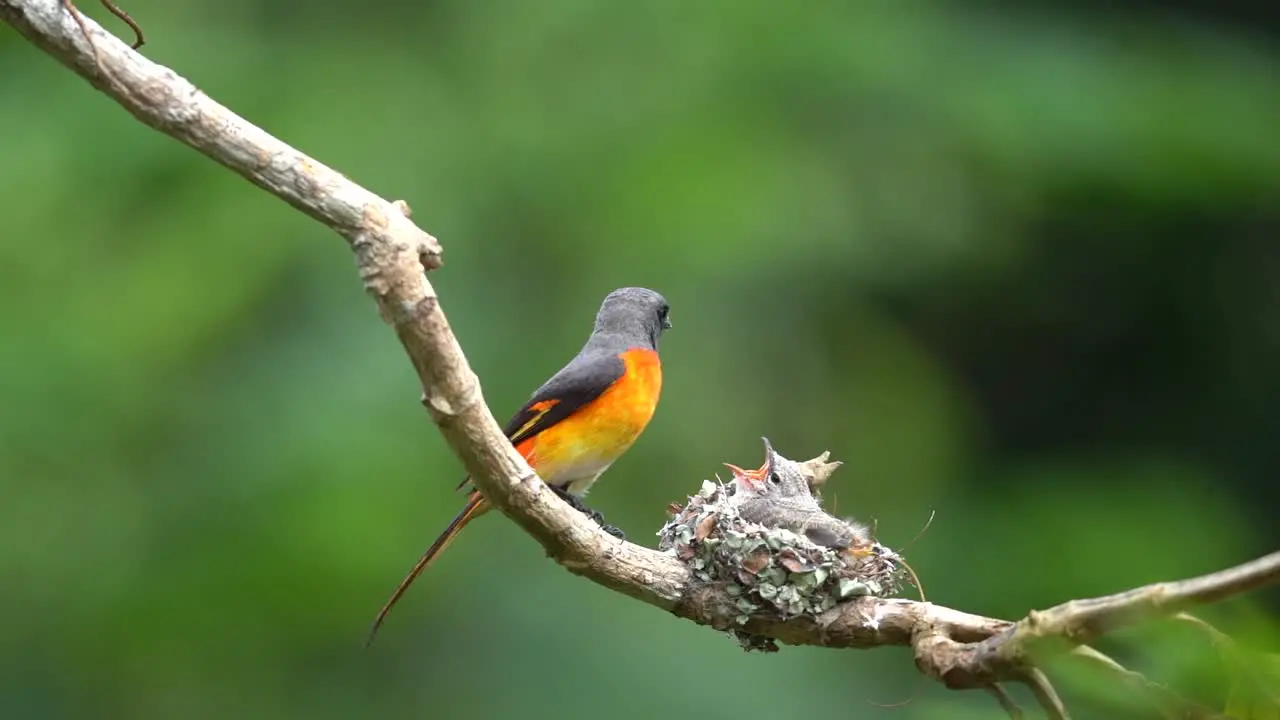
(663, 320)
(774, 479)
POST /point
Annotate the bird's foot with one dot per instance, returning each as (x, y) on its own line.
(598, 518)
(576, 503)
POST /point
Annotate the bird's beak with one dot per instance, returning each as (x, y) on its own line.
(666, 323)
(754, 480)
(768, 459)
(751, 480)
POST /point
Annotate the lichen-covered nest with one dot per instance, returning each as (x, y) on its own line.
(773, 570)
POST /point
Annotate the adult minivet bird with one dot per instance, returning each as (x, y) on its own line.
(584, 418)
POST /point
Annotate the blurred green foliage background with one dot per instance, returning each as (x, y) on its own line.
(1020, 267)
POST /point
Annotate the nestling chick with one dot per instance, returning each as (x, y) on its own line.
(781, 494)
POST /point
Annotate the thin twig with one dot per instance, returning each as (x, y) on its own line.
(116, 10)
(1168, 703)
(1247, 669)
(1048, 698)
(1006, 703)
(927, 523)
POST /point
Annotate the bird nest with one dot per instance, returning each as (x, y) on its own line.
(773, 571)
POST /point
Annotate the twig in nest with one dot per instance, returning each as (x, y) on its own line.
(923, 530)
(915, 580)
(910, 571)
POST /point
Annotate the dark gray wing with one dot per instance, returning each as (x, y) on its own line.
(568, 391)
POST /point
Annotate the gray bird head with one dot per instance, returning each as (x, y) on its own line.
(781, 494)
(778, 478)
(631, 317)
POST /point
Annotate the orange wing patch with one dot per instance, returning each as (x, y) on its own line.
(538, 409)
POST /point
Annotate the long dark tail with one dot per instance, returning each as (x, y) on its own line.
(475, 506)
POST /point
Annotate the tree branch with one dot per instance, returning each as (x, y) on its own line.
(1079, 622)
(964, 651)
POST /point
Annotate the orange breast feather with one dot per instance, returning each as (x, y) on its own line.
(582, 445)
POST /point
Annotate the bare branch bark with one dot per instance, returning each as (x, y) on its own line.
(1079, 622)
(963, 651)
